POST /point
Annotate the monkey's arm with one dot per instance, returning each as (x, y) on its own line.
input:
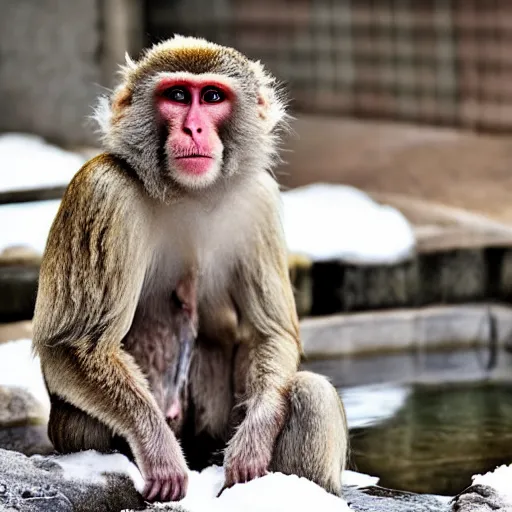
(91, 278)
(265, 300)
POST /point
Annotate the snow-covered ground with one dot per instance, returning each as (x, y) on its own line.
(327, 222)
(500, 480)
(321, 221)
(19, 368)
(274, 492)
(27, 224)
(29, 162)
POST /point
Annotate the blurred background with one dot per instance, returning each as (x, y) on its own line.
(402, 264)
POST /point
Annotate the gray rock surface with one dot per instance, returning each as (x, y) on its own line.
(18, 407)
(22, 423)
(29, 440)
(480, 498)
(37, 484)
(379, 499)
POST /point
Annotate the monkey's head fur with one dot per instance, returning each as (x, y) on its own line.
(161, 132)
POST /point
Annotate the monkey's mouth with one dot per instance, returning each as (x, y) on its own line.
(182, 157)
(195, 164)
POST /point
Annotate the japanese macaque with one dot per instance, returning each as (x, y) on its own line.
(165, 320)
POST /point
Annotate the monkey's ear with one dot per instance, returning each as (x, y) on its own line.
(121, 99)
(110, 110)
(271, 102)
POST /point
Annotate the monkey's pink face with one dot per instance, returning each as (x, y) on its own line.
(193, 109)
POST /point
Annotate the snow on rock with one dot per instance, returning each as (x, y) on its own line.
(354, 479)
(321, 221)
(500, 480)
(19, 368)
(92, 467)
(27, 224)
(326, 222)
(273, 493)
(29, 162)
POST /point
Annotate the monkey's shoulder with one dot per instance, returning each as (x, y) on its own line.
(104, 174)
(103, 201)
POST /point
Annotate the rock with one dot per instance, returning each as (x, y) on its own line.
(379, 499)
(40, 484)
(480, 498)
(18, 407)
(22, 422)
(29, 440)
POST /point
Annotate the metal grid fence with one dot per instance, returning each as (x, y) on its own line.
(441, 62)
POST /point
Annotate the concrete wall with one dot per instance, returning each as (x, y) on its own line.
(49, 67)
(53, 59)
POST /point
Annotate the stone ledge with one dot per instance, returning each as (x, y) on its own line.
(432, 327)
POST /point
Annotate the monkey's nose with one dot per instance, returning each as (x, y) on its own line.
(192, 131)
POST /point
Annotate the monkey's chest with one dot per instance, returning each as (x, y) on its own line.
(208, 242)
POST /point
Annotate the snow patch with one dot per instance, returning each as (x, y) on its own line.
(27, 224)
(337, 222)
(500, 480)
(20, 368)
(321, 221)
(92, 467)
(29, 162)
(354, 479)
(273, 493)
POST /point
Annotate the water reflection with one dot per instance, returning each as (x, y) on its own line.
(370, 405)
(438, 438)
(431, 421)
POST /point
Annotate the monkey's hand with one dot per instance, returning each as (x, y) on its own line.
(164, 469)
(245, 458)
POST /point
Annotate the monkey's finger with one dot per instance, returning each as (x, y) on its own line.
(224, 487)
(148, 484)
(243, 474)
(165, 492)
(252, 472)
(232, 477)
(177, 493)
(259, 472)
(184, 486)
(154, 490)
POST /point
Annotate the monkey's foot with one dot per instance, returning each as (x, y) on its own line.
(244, 469)
(165, 482)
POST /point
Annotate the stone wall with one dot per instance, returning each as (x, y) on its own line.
(54, 57)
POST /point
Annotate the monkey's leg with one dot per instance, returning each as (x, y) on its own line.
(313, 442)
(72, 430)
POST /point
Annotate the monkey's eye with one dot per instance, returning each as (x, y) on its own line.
(177, 94)
(213, 95)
